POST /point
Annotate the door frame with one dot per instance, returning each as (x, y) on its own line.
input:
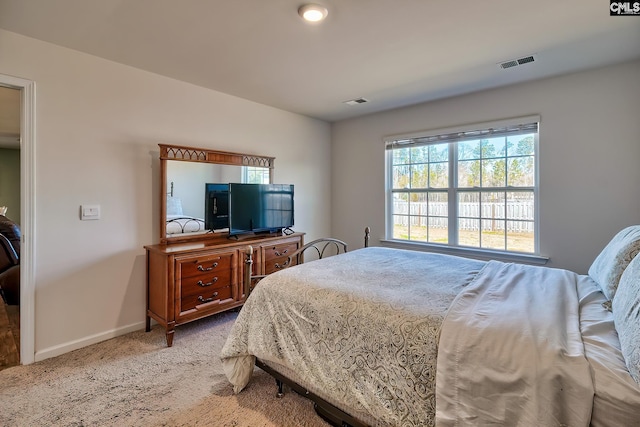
(27, 212)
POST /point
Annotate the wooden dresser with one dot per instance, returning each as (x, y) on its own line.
(189, 281)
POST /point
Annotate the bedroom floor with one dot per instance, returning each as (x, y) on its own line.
(9, 335)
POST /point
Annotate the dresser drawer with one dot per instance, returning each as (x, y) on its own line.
(276, 256)
(192, 280)
(205, 282)
(206, 296)
(206, 265)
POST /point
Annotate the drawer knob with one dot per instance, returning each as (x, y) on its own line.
(204, 285)
(201, 268)
(283, 265)
(276, 253)
(203, 299)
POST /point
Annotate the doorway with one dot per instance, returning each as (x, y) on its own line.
(26, 213)
(9, 226)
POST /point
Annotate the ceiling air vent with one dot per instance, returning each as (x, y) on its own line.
(515, 62)
(525, 60)
(356, 101)
(509, 64)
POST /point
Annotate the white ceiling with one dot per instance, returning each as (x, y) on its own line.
(391, 52)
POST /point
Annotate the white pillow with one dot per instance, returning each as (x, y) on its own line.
(614, 258)
(626, 316)
(174, 206)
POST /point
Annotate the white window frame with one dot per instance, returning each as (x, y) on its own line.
(264, 172)
(474, 131)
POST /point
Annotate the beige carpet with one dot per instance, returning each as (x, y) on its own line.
(136, 380)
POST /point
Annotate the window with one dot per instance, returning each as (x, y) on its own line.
(474, 187)
(255, 175)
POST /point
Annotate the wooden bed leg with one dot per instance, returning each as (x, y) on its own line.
(280, 392)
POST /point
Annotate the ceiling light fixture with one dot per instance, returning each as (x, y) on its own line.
(356, 101)
(313, 12)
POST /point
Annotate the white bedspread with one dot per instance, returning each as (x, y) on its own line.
(511, 353)
(359, 329)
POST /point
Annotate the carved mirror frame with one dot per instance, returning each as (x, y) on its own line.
(200, 155)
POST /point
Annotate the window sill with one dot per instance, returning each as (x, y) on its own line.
(483, 254)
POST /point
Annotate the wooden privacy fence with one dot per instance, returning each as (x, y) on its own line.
(519, 215)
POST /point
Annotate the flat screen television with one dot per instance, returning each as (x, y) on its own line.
(216, 206)
(260, 208)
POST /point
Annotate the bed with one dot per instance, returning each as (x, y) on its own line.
(179, 224)
(390, 337)
(177, 221)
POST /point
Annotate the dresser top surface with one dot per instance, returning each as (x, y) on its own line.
(220, 243)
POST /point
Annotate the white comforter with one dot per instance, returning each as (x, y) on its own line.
(511, 351)
(359, 329)
(363, 330)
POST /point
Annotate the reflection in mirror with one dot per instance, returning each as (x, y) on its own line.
(185, 184)
(184, 171)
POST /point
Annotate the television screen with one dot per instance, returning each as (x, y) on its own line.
(260, 207)
(216, 206)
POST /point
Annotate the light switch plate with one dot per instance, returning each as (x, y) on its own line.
(89, 212)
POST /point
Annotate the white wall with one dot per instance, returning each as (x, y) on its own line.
(589, 157)
(98, 124)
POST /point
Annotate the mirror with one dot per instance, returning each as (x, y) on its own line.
(185, 171)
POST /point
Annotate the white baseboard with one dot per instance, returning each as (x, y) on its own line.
(83, 342)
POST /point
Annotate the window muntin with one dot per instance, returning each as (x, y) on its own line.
(255, 175)
(466, 192)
